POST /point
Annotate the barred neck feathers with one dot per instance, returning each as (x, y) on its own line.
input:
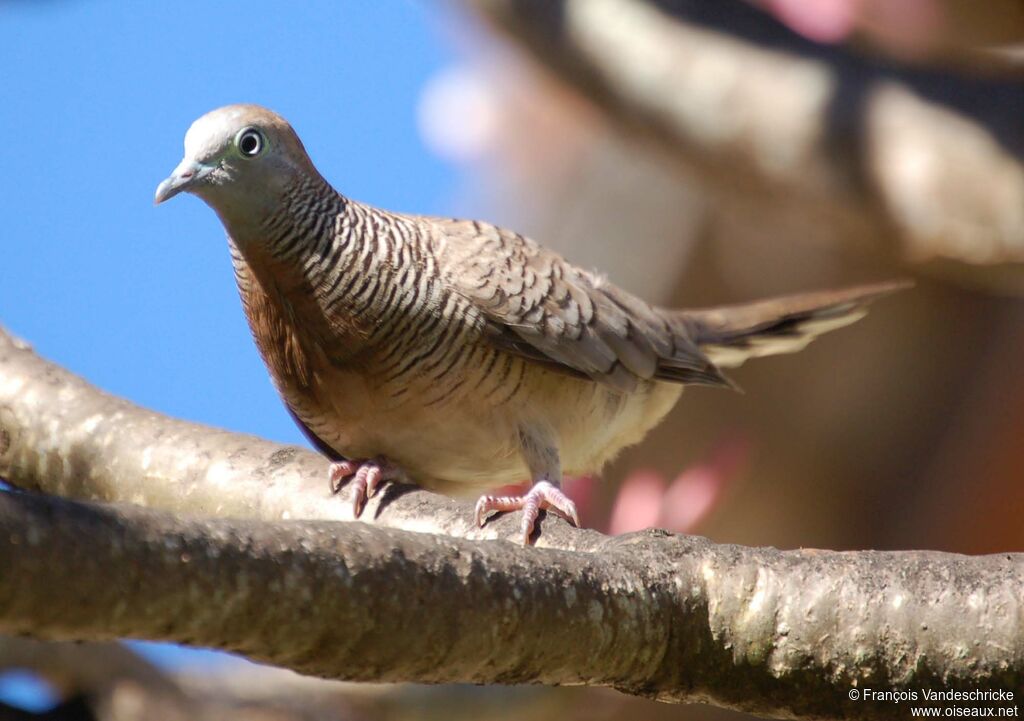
(367, 265)
(302, 227)
(282, 245)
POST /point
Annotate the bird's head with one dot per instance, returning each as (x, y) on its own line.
(238, 158)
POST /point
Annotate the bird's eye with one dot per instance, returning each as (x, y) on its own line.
(250, 142)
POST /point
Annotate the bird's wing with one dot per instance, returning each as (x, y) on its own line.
(539, 306)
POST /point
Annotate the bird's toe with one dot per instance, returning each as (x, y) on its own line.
(366, 476)
(543, 495)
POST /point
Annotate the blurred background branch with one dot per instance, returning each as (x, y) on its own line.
(912, 161)
(107, 681)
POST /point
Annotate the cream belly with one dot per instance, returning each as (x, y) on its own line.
(471, 442)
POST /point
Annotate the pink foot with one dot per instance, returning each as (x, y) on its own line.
(543, 494)
(366, 476)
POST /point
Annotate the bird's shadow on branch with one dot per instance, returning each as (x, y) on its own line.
(391, 493)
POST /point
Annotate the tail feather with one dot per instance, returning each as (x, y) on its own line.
(729, 335)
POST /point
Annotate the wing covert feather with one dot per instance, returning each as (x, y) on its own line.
(539, 306)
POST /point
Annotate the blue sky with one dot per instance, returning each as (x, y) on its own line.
(94, 102)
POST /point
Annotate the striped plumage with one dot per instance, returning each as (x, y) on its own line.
(461, 353)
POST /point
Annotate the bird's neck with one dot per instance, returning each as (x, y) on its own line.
(324, 262)
(277, 222)
(278, 238)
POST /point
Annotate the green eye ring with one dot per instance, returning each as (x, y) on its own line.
(249, 142)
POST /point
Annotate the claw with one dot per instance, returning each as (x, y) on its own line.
(366, 478)
(543, 494)
(338, 473)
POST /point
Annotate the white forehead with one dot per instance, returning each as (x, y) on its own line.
(209, 134)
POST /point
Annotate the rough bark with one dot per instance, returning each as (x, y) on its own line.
(912, 161)
(212, 563)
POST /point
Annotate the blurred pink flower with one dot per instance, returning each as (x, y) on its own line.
(644, 501)
(904, 27)
(824, 21)
(638, 504)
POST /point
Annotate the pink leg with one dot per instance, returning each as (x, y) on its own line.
(366, 476)
(543, 494)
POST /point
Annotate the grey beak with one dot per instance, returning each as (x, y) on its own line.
(184, 177)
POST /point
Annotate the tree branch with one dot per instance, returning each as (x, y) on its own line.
(672, 617)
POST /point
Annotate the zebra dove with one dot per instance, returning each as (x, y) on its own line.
(453, 353)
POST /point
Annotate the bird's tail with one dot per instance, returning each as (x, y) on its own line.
(729, 335)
